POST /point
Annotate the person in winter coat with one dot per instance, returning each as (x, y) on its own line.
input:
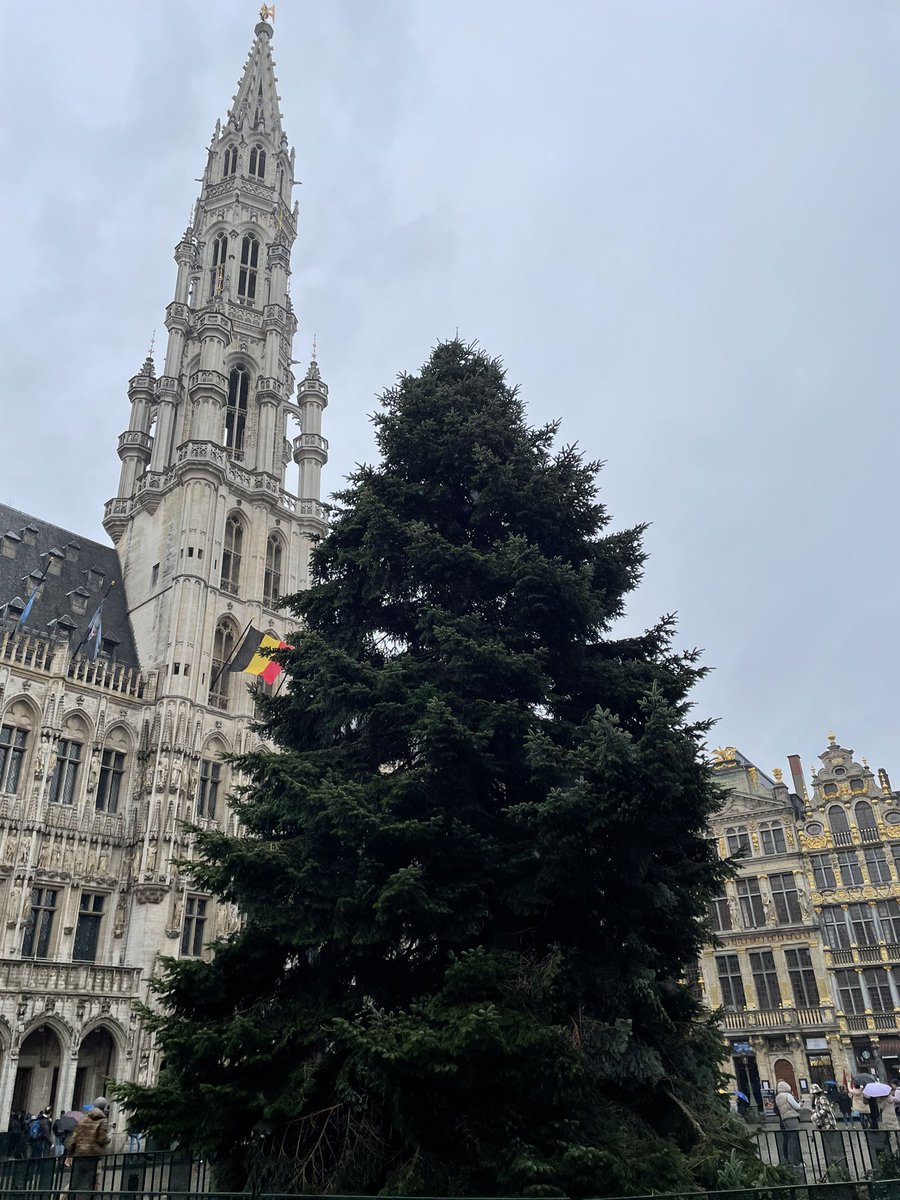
(887, 1113)
(789, 1114)
(845, 1104)
(823, 1113)
(87, 1143)
(859, 1106)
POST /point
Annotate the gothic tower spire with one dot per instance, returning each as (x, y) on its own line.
(205, 518)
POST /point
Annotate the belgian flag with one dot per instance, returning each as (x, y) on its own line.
(252, 658)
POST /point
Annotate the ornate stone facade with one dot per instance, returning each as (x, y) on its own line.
(807, 956)
(103, 758)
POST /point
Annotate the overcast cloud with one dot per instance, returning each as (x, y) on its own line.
(675, 220)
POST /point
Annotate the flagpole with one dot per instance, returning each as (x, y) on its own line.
(225, 665)
(112, 584)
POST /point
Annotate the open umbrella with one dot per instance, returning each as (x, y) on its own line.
(864, 1077)
(742, 1096)
(66, 1124)
(75, 1114)
(877, 1090)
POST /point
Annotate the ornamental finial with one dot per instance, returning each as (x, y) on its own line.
(267, 12)
(832, 738)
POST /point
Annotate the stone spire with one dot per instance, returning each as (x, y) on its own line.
(255, 107)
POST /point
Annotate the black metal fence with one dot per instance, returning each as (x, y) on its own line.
(830, 1155)
(169, 1173)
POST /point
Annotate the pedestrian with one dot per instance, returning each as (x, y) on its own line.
(134, 1136)
(40, 1136)
(59, 1136)
(859, 1106)
(823, 1113)
(887, 1113)
(789, 1115)
(845, 1104)
(87, 1143)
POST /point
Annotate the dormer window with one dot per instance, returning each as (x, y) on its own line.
(29, 535)
(249, 267)
(257, 162)
(229, 162)
(10, 544)
(78, 601)
(217, 265)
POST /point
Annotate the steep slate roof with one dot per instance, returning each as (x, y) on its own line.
(86, 570)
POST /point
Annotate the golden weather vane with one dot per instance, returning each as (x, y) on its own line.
(267, 12)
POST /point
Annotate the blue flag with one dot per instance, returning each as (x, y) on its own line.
(29, 605)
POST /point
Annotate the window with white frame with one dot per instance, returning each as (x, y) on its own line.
(802, 977)
(731, 981)
(771, 838)
(765, 978)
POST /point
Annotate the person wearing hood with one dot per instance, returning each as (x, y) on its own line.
(789, 1114)
(87, 1143)
(887, 1112)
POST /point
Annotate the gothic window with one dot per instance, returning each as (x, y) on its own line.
(231, 554)
(87, 931)
(109, 783)
(771, 836)
(765, 978)
(39, 926)
(223, 648)
(217, 265)
(840, 826)
(249, 267)
(802, 977)
(229, 163)
(208, 788)
(236, 409)
(193, 932)
(65, 774)
(258, 162)
(865, 820)
(272, 578)
(12, 756)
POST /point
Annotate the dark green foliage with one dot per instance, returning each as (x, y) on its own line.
(474, 869)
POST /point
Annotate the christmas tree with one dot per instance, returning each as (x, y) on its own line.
(472, 870)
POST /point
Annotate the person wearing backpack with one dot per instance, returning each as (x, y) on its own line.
(87, 1143)
(40, 1137)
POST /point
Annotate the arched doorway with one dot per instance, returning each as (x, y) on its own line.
(37, 1075)
(784, 1070)
(96, 1065)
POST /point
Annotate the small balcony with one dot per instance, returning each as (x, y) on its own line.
(870, 1022)
(85, 979)
(776, 1020)
(881, 952)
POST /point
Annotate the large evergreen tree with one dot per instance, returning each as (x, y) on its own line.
(473, 868)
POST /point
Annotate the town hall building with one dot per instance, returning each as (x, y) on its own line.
(116, 704)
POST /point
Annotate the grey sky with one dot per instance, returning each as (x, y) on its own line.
(676, 221)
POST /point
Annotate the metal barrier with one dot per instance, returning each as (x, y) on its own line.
(166, 1173)
(827, 1155)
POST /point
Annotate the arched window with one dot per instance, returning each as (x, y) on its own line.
(272, 579)
(236, 409)
(249, 267)
(839, 825)
(229, 163)
(217, 265)
(231, 554)
(220, 679)
(258, 162)
(865, 819)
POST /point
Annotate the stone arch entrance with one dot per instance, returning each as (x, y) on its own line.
(37, 1074)
(97, 1056)
(784, 1070)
